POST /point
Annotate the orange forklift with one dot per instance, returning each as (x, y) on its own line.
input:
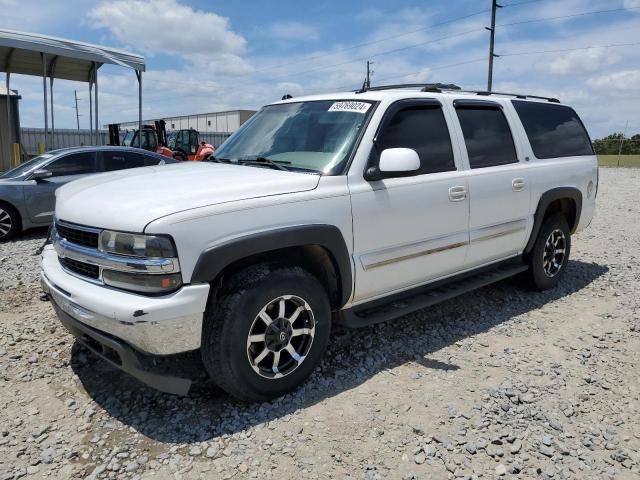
(181, 144)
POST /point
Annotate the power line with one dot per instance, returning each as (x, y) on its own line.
(573, 15)
(559, 50)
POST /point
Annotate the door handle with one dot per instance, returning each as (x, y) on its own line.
(518, 184)
(457, 193)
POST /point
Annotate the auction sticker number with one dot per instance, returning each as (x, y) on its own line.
(356, 107)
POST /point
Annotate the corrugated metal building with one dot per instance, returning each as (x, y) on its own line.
(222, 122)
(9, 132)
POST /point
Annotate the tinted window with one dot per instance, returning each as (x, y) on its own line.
(553, 130)
(487, 136)
(423, 129)
(121, 160)
(74, 164)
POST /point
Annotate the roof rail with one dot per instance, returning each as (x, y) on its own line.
(425, 87)
(441, 87)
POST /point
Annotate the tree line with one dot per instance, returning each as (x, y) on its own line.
(610, 145)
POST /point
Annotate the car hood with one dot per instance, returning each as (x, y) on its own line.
(129, 199)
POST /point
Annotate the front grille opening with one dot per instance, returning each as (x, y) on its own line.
(75, 235)
(109, 353)
(81, 268)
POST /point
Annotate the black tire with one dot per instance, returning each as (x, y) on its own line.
(9, 222)
(546, 268)
(233, 316)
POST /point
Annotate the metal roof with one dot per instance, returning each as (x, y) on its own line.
(66, 59)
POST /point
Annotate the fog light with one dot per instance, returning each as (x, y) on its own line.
(143, 283)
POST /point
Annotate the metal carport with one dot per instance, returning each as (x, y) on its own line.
(50, 57)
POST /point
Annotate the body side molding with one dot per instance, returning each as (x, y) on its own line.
(545, 200)
(213, 260)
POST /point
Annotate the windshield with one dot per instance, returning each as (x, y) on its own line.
(316, 135)
(27, 166)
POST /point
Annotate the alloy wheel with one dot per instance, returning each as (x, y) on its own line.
(280, 336)
(5, 222)
(554, 253)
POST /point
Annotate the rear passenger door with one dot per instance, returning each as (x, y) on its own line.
(498, 181)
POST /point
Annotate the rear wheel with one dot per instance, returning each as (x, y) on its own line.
(550, 254)
(265, 336)
(9, 222)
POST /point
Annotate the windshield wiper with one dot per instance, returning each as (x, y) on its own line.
(275, 164)
(213, 159)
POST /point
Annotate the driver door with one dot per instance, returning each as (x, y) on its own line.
(39, 195)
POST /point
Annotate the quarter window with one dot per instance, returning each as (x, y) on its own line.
(74, 164)
(423, 129)
(487, 136)
(553, 130)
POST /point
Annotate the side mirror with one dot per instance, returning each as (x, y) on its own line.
(394, 162)
(41, 175)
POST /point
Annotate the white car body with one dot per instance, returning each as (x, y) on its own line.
(398, 231)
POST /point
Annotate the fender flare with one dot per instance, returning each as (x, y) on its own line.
(215, 259)
(545, 200)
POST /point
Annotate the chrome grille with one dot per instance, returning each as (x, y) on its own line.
(77, 235)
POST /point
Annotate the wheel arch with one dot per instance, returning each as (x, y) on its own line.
(320, 249)
(21, 219)
(566, 200)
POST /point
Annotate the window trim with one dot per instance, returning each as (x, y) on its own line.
(524, 128)
(485, 105)
(373, 159)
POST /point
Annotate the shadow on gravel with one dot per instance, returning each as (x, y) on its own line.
(352, 358)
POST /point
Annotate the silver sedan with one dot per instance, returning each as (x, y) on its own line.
(27, 192)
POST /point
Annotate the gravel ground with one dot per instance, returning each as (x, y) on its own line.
(503, 382)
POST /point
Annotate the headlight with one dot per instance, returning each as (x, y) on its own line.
(137, 245)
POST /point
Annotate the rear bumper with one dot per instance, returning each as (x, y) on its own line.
(154, 325)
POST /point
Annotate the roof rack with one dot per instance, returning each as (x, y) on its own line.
(425, 87)
(442, 87)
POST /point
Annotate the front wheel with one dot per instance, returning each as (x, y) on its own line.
(550, 254)
(264, 337)
(9, 222)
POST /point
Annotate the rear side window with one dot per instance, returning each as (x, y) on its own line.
(424, 129)
(149, 160)
(487, 136)
(120, 160)
(75, 164)
(553, 130)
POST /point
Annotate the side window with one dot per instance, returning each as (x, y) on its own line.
(424, 129)
(75, 164)
(553, 130)
(487, 136)
(119, 160)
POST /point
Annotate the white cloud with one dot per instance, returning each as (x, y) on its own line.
(626, 81)
(169, 27)
(293, 31)
(423, 76)
(583, 61)
(631, 3)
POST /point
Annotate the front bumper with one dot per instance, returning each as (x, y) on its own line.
(155, 325)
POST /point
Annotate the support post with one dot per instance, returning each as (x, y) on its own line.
(139, 75)
(90, 109)
(624, 135)
(492, 40)
(75, 94)
(53, 125)
(44, 88)
(95, 82)
(9, 112)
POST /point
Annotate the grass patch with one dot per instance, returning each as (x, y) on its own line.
(630, 161)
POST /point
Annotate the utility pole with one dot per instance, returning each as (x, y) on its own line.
(369, 72)
(492, 55)
(75, 94)
(624, 136)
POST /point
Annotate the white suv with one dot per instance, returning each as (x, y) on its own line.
(319, 210)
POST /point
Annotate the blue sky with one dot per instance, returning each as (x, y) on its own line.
(217, 55)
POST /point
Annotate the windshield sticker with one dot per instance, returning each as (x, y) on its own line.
(356, 107)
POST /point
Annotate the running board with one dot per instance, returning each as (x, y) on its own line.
(365, 315)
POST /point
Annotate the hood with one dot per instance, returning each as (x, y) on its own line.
(129, 199)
